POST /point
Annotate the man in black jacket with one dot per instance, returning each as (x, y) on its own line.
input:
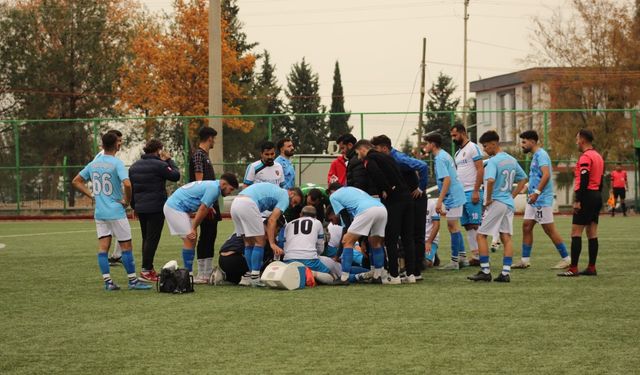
(148, 177)
(390, 185)
(357, 175)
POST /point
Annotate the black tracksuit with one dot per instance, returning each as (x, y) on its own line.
(148, 177)
(386, 177)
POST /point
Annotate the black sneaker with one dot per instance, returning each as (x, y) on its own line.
(480, 276)
(588, 272)
(339, 281)
(113, 261)
(376, 280)
(436, 261)
(502, 278)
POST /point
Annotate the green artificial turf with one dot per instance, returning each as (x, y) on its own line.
(55, 317)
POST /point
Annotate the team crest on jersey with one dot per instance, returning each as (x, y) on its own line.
(277, 173)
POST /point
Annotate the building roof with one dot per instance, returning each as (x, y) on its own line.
(504, 80)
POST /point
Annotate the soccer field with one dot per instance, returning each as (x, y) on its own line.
(57, 319)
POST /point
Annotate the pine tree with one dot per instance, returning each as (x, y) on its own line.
(309, 133)
(441, 99)
(338, 124)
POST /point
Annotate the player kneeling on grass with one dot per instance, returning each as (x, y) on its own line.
(198, 197)
(245, 212)
(108, 174)
(362, 215)
(304, 241)
(501, 171)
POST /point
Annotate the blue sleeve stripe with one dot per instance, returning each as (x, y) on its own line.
(476, 158)
(247, 182)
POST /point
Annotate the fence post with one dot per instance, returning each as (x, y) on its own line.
(269, 127)
(636, 162)
(452, 120)
(64, 184)
(185, 146)
(546, 130)
(361, 125)
(95, 137)
(16, 141)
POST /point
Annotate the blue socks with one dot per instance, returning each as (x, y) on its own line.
(128, 262)
(484, 263)
(562, 249)
(103, 262)
(187, 258)
(526, 250)
(257, 256)
(347, 259)
(506, 265)
(248, 251)
(457, 245)
(377, 257)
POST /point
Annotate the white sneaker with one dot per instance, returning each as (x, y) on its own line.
(419, 277)
(245, 281)
(364, 277)
(392, 280)
(463, 263)
(562, 264)
(450, 266)
(521, 265)
(256, 283)
(201, 279)
(411, 279)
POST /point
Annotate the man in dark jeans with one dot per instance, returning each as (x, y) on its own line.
(148, 177)
(201, 169)
(394, 193)
(415, 173)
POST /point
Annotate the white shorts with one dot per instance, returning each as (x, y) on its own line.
(497, 218)
(542, 215)
(119, 229)
(454, 213)
(246, 217)
(370, 222)
(179, 222)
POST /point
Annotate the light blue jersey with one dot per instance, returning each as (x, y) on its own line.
(505, 170)
(445, 167)
(106, 173)
(353, 199)
(541, 159)
(267, 196)
(189, 197)
(289, 172)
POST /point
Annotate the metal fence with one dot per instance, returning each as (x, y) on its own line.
(39, 158)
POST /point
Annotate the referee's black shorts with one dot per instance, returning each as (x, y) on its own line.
(589, 209)
(619, 192)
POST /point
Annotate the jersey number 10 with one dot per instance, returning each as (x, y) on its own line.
(302, 225)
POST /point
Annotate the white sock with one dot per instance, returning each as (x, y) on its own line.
(201, 267)
(473, 242)
(377, 272)
(323, 278)
(567, 258)
(208, 266)
(344, 276)
(525, 259)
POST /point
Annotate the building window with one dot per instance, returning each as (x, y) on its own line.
(485, 117)
(506, 120)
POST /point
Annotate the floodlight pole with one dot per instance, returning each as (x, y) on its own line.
(215, 79)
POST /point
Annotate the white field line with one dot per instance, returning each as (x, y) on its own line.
(47, 233)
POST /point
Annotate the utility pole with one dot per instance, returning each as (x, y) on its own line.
(422, 91)
(215, 79)
(465, 106)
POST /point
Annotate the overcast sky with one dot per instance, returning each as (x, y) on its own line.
(379, 45)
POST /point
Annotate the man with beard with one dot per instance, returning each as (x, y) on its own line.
(265, 169)
(286, 148)
(539, 203)
(470, 170)
(357, 175)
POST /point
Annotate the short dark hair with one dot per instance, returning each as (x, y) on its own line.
(381, 140)
(334, 186)
(206, 132)
(231, 179)
(315, 194)
(117, 132)
(586, 134)
(489, 136)
(435, 138)
(267, 145)
(152, 146)
(529, 134)
(363, 143)
(308, 211)
(282, 141)
(297, 191)
(459, 128)
(347, 138)
(109, 141)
